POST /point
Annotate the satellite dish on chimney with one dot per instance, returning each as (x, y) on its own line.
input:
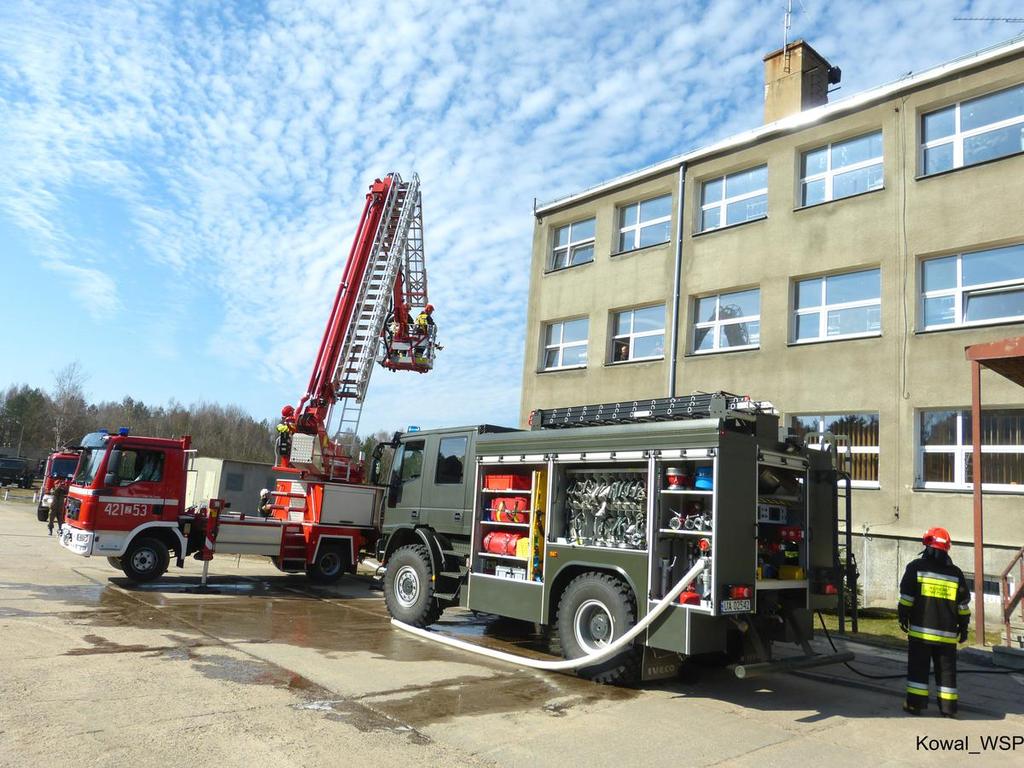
(835, 74)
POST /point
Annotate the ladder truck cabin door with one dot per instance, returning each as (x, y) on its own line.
(443, 500)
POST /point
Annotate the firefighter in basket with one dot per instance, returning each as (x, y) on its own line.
(934, 610)
(426, 332)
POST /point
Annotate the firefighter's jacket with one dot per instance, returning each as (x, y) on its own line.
(934, 601)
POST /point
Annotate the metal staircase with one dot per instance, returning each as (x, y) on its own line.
(398, 242)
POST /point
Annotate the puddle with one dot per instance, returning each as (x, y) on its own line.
(343, 628)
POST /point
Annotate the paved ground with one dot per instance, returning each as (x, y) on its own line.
(274, 672)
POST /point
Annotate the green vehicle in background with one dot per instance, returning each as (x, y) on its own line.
(585, 522)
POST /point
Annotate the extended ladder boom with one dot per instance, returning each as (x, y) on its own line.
(384, 278)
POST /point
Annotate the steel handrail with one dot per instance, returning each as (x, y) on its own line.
(1010, 602)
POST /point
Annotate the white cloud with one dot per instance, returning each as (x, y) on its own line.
(240, 142)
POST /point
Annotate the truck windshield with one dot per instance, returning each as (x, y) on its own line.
(89, 465)
(63, 467)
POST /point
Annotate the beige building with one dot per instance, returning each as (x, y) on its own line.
(835, 261)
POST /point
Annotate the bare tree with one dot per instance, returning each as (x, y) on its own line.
(70, 411)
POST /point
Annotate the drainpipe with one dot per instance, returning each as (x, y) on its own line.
(676, 280)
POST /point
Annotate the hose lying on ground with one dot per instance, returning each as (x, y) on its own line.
(902, 674)
(566, 665)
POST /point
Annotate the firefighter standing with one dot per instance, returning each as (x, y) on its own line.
(424, 321)
(60, 495)
(284, 431)
(934, 611)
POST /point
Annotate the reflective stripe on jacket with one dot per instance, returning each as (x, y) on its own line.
(934, 601)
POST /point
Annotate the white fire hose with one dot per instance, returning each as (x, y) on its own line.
(567, 664)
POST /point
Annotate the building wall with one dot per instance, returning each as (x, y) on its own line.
(894, 374)
(237, 482)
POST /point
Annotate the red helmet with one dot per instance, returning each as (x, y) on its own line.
(429, 308)
(937, 538)
(287, 411)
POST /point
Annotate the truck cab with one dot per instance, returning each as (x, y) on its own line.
(59, 468)
(428, 515)
(123, 486)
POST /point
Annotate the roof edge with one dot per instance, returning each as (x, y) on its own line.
(793, 122)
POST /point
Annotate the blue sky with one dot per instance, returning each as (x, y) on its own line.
(179, 182)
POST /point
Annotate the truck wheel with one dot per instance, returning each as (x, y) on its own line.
(595, 610)
(328, 566)
(146, 559)
(42, 514)
(116, 562)
(408, 588)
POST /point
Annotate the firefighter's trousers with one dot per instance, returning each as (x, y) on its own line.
(920, 657)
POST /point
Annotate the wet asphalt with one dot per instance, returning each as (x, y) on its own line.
(271, 670)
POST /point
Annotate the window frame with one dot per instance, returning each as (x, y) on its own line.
(718, 323)
(723, 203)
(440, 458)
(960, 453)
(824, 308)
(640, 224)
(858, 449)
(571, 245)
(958, 136)
(561, 345)
(959, 292)
(632, 335)
(829, 174)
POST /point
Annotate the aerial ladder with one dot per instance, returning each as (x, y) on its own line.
(372, 321)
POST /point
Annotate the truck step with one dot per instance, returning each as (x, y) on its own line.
(451, 575)
(446, 596)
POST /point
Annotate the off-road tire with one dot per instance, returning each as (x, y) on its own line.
(601, 597)
(42, 514)
(408, 587)
(330, 564)
(145, 559)
(116, 563)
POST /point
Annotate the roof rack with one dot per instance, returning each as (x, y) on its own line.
(702, 405)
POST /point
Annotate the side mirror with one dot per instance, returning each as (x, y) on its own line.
(113, 465)
(394, 490)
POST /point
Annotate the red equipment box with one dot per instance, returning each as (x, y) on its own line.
(501, 542)
(507, 482)
(510, 509)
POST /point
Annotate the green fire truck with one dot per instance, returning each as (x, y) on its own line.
(584, 524)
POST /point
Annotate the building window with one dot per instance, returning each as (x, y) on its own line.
(645, 223)
(843, 306)
(638, 334)
(841, 169)
(565, 344)
(945, 455)
(973, 131)
(990, 584)
(234, 481)
(861, 429)
(727, 321)
(574, 244)
(973, 288)
(733, 199)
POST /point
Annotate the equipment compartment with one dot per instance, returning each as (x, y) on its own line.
(603, 506)
(509, 527)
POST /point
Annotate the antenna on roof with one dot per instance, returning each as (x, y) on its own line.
(787, 23)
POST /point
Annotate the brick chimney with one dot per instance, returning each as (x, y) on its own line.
(796, 78)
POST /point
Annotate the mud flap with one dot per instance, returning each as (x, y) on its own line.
(658, 664)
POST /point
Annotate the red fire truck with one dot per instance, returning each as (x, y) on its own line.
(127, 499)
(60, 468)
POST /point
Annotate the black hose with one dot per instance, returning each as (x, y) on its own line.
(894, 677)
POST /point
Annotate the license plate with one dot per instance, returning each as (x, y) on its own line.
(735, 606)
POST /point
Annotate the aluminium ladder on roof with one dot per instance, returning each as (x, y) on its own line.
(710, 405)
(397, 243)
